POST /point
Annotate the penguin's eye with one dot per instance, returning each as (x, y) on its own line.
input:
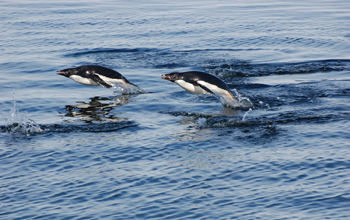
(173, 76)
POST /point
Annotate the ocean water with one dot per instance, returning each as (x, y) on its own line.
(70, 151)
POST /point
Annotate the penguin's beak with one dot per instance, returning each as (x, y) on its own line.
(165, 77)
(62, 73)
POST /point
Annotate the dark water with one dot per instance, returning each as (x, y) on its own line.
(69, 151)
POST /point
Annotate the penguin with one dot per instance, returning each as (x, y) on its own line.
(93, 75)
(204, 83)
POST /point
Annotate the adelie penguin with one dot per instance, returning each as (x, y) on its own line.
(204, 83)
(93, 75)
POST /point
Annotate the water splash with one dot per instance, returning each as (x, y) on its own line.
(246, 114)
(126, 89)
(237, 101)
(20, 123)
(201, 122)
(243, 101)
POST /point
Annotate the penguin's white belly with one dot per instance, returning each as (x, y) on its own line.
(90, 82)
(191, 88)
(82, 80)
(213, 88)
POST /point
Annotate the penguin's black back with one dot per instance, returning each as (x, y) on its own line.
(103, 71)
(193, 76)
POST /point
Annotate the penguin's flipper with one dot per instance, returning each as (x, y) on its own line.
(99, 81)
(204, 87)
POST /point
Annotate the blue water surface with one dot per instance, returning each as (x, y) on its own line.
(71, 151)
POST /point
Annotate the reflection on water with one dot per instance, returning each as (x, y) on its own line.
(99, 109)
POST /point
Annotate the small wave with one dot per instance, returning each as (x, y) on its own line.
(187, 114)
(229, 122)
(251, 127)
(221, 121)
(243, 69)
(96, 127)
(247, 127)
(30, 127)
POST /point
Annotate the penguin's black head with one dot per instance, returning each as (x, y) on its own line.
(67, 72)
(172, 76)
